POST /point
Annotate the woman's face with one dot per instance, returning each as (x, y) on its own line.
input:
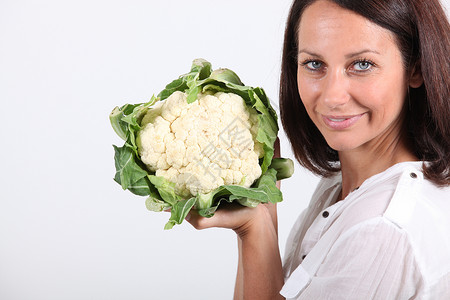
(350, 77)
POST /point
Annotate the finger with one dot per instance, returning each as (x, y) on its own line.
(199, 222)
(229, 215)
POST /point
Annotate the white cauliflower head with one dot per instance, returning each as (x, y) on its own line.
(202, 145)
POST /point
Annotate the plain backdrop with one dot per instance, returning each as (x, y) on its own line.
(67, 230)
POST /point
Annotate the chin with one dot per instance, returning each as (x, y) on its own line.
(342, 145)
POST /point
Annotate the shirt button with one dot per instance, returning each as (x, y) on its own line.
(413, 175)
(325, 214)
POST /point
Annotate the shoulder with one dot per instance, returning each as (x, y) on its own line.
(420, 210)
(414, 197)
(403, 196)
(396, 205)
(401, 205)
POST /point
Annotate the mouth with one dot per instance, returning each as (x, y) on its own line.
(341, 122)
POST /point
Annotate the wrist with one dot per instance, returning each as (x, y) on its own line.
(260, 223)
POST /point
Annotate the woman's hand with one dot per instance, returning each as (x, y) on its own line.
(237, 217)
(233, 216)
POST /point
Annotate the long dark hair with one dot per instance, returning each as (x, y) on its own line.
(422, 33)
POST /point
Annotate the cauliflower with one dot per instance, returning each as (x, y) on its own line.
(206, 138)
(202, 145)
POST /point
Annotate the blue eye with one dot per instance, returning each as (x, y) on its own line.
(314, 65)
(363, 65)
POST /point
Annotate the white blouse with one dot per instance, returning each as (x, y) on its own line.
(389, 239)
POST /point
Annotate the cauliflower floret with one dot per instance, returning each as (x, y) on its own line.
(175, 153)
(238, 107)
(152, 113)
(237, 176)
(248, 169)
(228, 178)
(151, 143)
(174, 105)
(202, 145)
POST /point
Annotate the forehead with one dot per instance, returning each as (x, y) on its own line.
(325, 24)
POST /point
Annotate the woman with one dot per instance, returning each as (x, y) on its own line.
(365, 103)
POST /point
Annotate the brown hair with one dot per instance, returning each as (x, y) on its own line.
(423, 36)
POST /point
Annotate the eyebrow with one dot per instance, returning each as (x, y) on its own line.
(350, 55)
(310, 53)
(361, 52)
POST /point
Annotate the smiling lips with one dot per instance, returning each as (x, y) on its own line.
(340, 122)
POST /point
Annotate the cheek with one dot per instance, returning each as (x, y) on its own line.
(308, 90)
(384, 100)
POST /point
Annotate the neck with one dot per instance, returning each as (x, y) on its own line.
(357, 165)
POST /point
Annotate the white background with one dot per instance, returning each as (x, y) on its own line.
(67, 230)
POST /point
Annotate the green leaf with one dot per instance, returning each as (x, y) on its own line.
(226, 75)
(156, 205)
(262, 191)
(126, 120)
(128, 172)
(204, 200)
(144, 187)
(241, 191)
(179, 212)
(118, 119)
(120, 127)
(209, 212)
(267, 128)
(283, 166)
(202, 67)
(248, 202)
(267, 183)
(193, 93)
(176, 85)
(140, 188)
(166, 189)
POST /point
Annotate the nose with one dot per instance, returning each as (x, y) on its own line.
(335, 89)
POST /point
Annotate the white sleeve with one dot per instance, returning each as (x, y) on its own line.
(372, 260)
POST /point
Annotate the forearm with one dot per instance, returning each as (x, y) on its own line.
(239, 285)
(259, 274)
